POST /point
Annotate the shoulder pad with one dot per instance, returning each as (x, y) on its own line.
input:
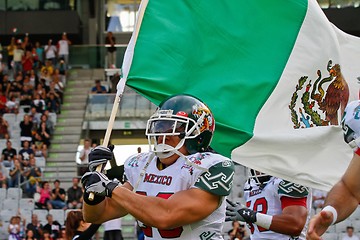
(218, 179)
(291, 189)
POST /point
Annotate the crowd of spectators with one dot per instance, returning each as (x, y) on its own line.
(32, 81)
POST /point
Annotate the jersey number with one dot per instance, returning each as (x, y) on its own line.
(261, 206)
(168, 233)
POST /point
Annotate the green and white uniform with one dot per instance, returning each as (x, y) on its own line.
(207, 171)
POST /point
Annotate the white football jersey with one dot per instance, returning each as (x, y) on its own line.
(208, 171)
(266, 200)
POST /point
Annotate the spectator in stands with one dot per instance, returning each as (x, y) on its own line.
(3, 101)
(40, 53)
(26, 152)
(34, 116)
(63, 48)
(32, 174)
(238, 231)
(58, 195)
(38, 103)
(26, 96)
(318, 198)
(45, 195)
(35, 227)
(350, 234)
(34, 80)
(46, 72)
(84, 153)
(111, 50)
(77, 228)
(30, 235)
(12, 105)
(53, 227)
(26, 127)
(50, 52)
(112, 229)
(3, 180)
(39, 150)
(98, 88)
(15, 174)
(27, 62)
(6, 85)
(18, 54)
(43, 134)
(58, 85)
(62, 71)
(4, 127)
(74, 195)
(40, 90)
(50, 121)
(27, 82)
(47, 236)
(15, 87)
(10, 50)
(53, 103)
(14, 228)
(8, 154)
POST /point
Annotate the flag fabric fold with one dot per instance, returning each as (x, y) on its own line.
(276, 75)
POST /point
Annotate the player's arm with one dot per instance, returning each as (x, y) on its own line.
(96, 213)
(293, 217)
(346, 190)
(181, 208)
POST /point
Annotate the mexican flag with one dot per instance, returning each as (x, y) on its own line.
(276, 74)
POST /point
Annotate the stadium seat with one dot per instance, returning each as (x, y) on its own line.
(4, 230)
(40, 162)
(3, 193)
(10, 204)
(10, 118)
(6, 214)
(26, 213)
(58, 215)
(27, 203)
(53, 117)
(41, 213)
(14, 193)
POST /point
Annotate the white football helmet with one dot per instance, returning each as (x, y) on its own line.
(351, 124)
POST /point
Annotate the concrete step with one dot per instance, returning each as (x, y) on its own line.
(63, 175)
(61, 157)
(72, 113)
(50, 165)
(68, 130)
(73, 106)
(69, 121)
(63, 148)
(75, 97)
(60, 137)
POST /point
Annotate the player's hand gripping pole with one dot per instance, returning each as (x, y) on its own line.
(108, 133)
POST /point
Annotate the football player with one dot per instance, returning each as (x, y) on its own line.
(275, 208)
(344, 197)
(175, 191)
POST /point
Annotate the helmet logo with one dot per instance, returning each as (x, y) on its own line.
(182, 113)
(208, 123)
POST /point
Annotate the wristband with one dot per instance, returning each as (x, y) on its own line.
(263, 220)
(333, 211)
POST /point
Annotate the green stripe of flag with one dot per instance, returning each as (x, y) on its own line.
(224, 52)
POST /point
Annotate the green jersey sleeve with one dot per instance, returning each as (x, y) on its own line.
(218, 179)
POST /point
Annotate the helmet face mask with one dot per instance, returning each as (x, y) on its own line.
(183, 116)
(259, 178)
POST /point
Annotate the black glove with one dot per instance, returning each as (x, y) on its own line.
(99, 156)
(238, 212)
(98, 184)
